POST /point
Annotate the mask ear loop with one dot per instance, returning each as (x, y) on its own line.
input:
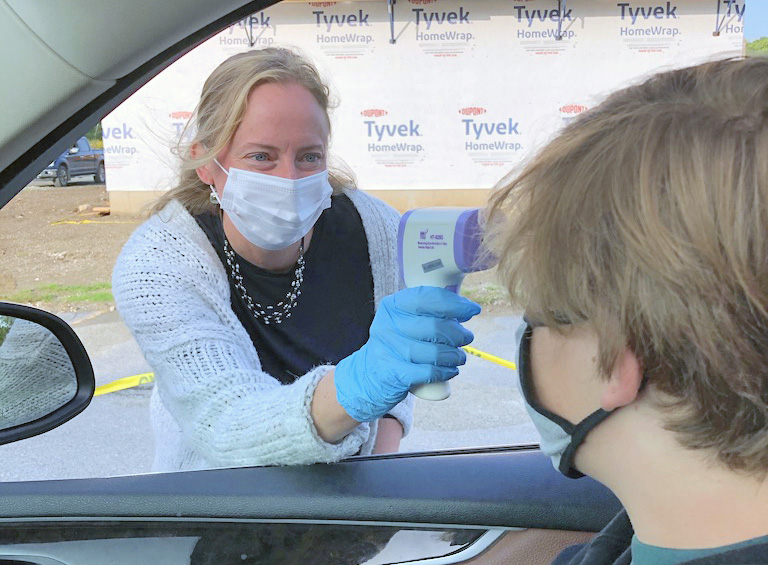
(214, 199)
(214, 196)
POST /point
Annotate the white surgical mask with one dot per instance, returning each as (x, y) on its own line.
(272, 212)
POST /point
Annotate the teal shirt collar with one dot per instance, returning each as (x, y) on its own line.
(644, 554)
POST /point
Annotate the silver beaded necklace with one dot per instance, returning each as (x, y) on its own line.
(268, 314)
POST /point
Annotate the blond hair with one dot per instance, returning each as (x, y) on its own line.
(221, 108)
(647, 220)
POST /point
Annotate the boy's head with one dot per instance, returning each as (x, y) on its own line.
(646, 221)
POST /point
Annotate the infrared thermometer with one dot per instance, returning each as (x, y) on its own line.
(437, 247)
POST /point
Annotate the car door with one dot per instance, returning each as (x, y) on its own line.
(504, 505)
(78, 158)
(483, 505)
(86, 157)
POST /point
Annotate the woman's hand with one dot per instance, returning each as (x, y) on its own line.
(415, 338)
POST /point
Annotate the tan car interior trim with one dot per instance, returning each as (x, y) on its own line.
(529, 547)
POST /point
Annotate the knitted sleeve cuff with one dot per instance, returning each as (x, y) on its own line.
(350, 444)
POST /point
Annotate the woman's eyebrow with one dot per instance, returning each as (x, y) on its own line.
(251, 146)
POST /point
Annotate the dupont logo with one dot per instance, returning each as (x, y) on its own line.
(322, 4)
(573, 109)
(570, 112)
(472, 111)
(374, 113)
(180, 115)
(417, 2)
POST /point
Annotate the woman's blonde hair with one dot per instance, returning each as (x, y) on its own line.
(647, 221)
(221, 108)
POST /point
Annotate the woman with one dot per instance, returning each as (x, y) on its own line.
(261, 271)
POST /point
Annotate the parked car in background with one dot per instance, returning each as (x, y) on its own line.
(79, 160)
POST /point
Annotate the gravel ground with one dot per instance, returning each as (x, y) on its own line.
(49, 235)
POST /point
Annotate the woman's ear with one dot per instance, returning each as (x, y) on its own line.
(624, 384)
(203, 172)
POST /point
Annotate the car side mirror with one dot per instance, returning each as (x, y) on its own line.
(73, 150)
(46, 377)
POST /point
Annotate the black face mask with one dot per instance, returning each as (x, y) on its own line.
(559, 438)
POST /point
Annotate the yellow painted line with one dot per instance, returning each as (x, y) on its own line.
(122, 384)
(62, 222)
(144, 378)
(489, 357)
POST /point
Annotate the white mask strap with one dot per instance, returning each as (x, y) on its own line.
(214, 195)
(215, 160)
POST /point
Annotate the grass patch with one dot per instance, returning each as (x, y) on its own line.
(487, 294)
(63, 293)
(91, 297)
(758, 48)
(5, 326)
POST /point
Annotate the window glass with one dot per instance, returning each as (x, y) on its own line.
(435, 107)
(200, 543)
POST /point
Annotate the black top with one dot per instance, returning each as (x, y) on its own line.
(334, 312)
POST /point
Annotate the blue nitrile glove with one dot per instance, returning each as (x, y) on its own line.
(415, 338)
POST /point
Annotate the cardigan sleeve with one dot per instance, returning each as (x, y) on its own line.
(36, 374)
(173, 294)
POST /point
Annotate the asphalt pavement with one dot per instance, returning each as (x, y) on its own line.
(113, 436)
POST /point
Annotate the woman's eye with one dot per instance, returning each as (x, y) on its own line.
(312, 157)
(260, 157)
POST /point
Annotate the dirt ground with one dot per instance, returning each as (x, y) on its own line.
(51, 236)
